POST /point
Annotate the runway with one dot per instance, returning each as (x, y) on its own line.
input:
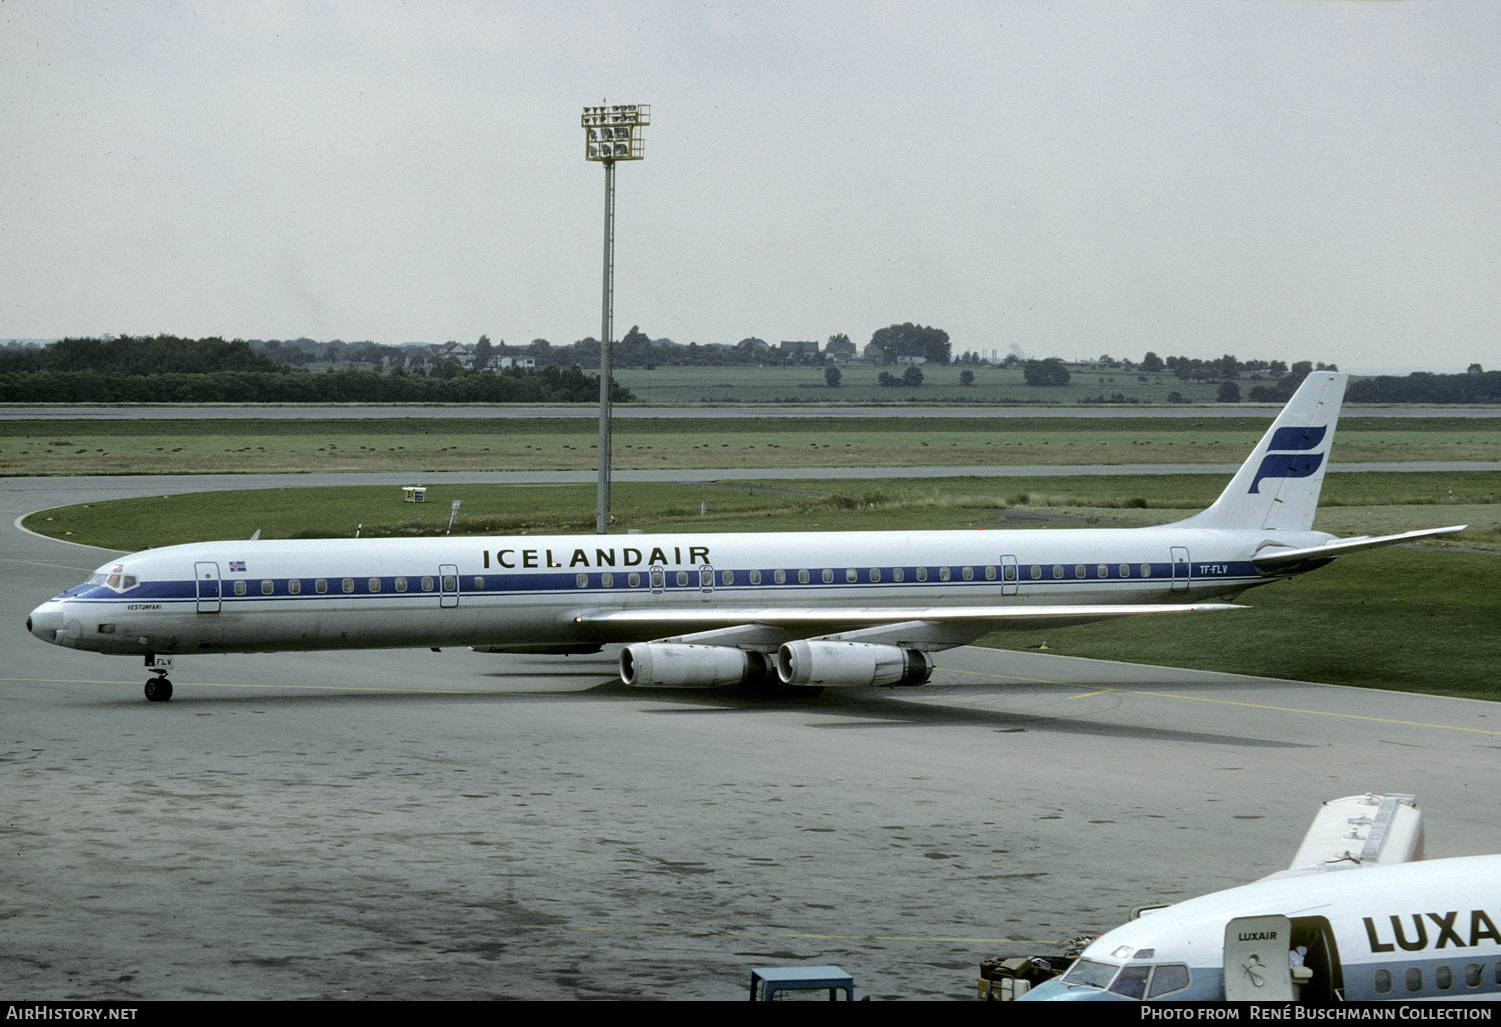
(419, 825)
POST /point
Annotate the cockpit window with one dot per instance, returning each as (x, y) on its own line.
(1138, 981)
(1132, 982)
(1090, 974)
(1170, 977)
(115, 577)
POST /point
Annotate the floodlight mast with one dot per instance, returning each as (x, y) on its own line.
(610, 134)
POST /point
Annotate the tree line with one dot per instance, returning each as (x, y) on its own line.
(124, 370)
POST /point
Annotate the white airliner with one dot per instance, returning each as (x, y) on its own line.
(807, 610)
(1351, 919)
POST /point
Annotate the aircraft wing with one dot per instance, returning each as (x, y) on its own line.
(1279, 560)
(738, 625)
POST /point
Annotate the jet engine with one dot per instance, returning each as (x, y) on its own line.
(851, 663)
(671, 665)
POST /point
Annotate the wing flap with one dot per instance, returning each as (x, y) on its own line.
(808, 622)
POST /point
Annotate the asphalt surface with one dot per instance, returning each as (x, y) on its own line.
(419, 825)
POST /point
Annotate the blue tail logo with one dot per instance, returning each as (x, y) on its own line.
(1288, 456)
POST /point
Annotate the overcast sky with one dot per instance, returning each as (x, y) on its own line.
(1304, 180)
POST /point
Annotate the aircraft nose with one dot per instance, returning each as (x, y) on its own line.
(45, 622)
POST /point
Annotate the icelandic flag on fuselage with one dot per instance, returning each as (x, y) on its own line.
(237, 566)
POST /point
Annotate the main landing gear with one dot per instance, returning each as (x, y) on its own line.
(158, 689)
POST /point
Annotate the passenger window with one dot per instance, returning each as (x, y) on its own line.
(727, 578)
(1472, 975)
(1383, 982)
(634, 580)
(427, 584)
(968, 574)
(450, 582)
(1102, 571)
(320, 586)
(1125, 570)
(1414, 979)
(802, 577)
(582, 581)
(239, 588)
(779, 577)
(851, 575)
(828, 575)
(347, 584)
(1057, 570)
(875, 574)
(294, 586)
(607, 579)
(1443, 978)
(682, 577)
(922, 574)
(479, 584)
(1009, 572)
(897, 574)
(658, 577)
(1036, 572)
(1080, 572)
(943, 574)
(374, 584)
(989, 573)
(401, 584)
(1146, 570)
(268, 587)
(755, 577)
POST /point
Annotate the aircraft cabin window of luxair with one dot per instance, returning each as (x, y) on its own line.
(797, 611)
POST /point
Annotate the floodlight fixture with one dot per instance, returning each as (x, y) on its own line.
(614, 133)
(611, 133)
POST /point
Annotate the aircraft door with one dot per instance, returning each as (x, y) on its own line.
(1256, 960)
(658, 578)
(1182, 569)
(1009, 576)
(448, 585)
(207, 575)
(706, 579)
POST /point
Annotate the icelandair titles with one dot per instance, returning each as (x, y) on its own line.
(626, 557)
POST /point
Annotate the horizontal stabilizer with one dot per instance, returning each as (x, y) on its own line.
(1359, 831)
(1278, 559)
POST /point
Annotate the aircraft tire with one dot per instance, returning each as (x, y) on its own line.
(158, 690)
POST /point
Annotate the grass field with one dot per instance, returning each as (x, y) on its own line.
(1353, 504)
(106, 446)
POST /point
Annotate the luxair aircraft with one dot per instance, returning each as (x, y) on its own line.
(1353, 918)
(798, 611)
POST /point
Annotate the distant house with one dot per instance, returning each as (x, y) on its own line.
(798, 348)
(505, 362)
(456, 351)
(910, 361)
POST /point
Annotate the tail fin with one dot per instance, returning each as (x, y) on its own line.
(1277, 488)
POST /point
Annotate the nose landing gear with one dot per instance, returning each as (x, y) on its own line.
(158, 689)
